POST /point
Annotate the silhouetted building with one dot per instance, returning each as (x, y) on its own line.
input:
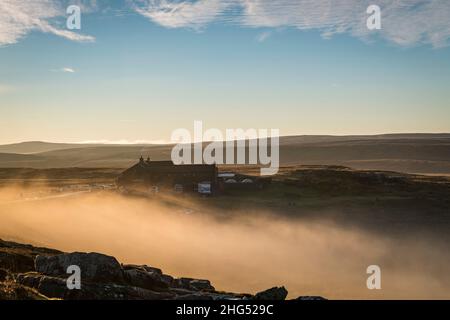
(155, 176)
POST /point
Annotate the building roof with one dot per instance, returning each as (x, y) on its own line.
(168, 167)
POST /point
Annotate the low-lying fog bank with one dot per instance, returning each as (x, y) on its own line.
(245, 254)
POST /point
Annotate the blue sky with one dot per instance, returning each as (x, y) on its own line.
(138, 70)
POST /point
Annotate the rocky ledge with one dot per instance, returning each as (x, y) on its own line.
(28, 272)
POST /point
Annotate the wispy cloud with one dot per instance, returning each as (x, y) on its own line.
(175, 14)
(404, 22)
(263, 36)
(69, 70)
(20, 17)
(64, 70)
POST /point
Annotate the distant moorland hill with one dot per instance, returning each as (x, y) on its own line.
(420, 153)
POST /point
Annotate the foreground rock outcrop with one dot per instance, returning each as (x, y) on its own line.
(96, 267)
(28, 272)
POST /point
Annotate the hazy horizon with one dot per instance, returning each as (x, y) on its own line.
(159, 142)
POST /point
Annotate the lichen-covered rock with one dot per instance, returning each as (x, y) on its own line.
(54, 287)
(3, 274)
(115, 292)
(141, 267)
(201, 285)
(15, 262)
(49, 286)
(144, 279)
(182, 283)
(27, 272)
(31, 250)
(195, 296)
(275, 293)
(95, 267)
(193, 284)
(310, 298)
(29, 279)
(9, 290)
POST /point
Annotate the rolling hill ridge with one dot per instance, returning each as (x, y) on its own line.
(419, 153)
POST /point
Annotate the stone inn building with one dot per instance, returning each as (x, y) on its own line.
(159, 176)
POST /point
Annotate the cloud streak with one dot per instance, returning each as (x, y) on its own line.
(20, 17)
(404, 22)
(263, 36)
(68, 70)
(172, 14)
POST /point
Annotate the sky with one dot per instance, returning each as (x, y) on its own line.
(139, 69)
